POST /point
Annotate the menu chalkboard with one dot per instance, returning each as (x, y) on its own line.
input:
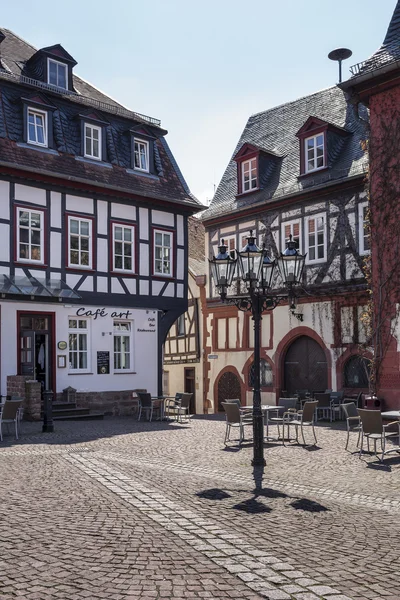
(103, 362)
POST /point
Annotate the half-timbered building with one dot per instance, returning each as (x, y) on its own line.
(183, 352)
(93, 225)
(298, 169)
(376, 83)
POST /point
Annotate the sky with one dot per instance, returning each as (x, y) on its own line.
(204, 66)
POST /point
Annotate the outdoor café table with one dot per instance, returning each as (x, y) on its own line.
(392, 414)
(265, 408)
(161, 400)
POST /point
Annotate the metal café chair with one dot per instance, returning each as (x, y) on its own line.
(236, 418)
(146, 404)
(10, 414)
(372, 428)
(353, 421)
(300, 420)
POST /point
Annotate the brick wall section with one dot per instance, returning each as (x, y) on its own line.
(30, 391)
(110, 403)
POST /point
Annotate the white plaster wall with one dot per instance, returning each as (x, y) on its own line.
(55, 210)
(102, 217)
(26, 193)
(159, 217)
(5, 199)
(79, 204)
(179, 230)
(4, 245)
(55, 254)
(145, 354)
(123, 211)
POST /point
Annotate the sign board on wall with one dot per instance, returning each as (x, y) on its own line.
(103, 362)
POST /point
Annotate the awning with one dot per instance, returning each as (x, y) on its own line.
(36, 287)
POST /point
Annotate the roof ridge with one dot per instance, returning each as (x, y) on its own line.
(261, 112)
(19, 37)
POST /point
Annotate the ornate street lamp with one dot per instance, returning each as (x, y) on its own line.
(257, 272)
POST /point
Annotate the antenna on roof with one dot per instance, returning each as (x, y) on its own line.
(340, 54)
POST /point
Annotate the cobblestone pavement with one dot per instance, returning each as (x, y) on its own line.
(122, 510)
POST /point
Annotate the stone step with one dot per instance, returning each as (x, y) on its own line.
(91, 416)
(63, 405)
(67, 412)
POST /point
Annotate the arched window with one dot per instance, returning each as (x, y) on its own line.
(356, 372)
(266, 378)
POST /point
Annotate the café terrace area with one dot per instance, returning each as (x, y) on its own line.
(125, 509)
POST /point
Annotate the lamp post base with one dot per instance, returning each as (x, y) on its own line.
(258, 435)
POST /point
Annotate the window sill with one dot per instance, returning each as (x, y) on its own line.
(38, 148)
(94, 161)
(257, 189)
(80, 373)
(81, 269)
(115, 272)
(311, 173)
(161, 276)
(142, 174)
(310, 263)
(124, 373)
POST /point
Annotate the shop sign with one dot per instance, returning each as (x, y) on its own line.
(103, 362)
(101, 312)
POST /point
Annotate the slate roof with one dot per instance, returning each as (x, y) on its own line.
(168, 184)
(387, 54)
(275, 130)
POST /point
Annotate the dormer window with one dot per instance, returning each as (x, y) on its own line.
(141, 156)
(314, 152)
(37, 127)
(92, 141)
(249, 175)
(57, 73)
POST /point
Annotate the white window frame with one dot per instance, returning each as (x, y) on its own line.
(59, 64)
(92, 128)
(252, 180)
(307, 239)
(283, 237)
(84, 331)
(80, 236)
(20, 258)
(123, 333)
(43, 114)
(171, 247)
(361, 230)
(132, 243)
(230, 242)
(315, 168)
(146, 146)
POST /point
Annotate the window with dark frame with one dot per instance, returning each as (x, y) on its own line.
(30, 235)
(163, 252)
(78, 344)
(356, 372)
(57, 73)
(314, 152)
(123, 246)
(249, 175)
(92, 141)
(266, 375)
(180, 326)
(37, 127)
(79, 242)
(141, 155)
(122, 346)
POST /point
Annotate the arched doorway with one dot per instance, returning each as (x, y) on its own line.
(305, 366)
(228, 387)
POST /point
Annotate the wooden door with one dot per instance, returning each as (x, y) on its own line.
(190, 388)
(228, 387)
(305, 366)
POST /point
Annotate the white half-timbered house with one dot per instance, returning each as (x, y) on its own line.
(184, 360)
(93, 226)
(298, 169)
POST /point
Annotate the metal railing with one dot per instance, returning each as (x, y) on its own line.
(80, 99)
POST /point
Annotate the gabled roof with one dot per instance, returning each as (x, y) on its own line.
(169, 184)
(313, 123)
(251, 148)
(59, 51)
(387, 54)
(276, 128)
